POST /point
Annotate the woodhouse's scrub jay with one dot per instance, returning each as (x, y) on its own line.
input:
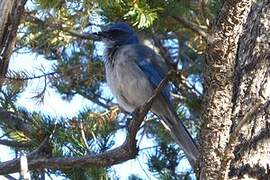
(133, 71)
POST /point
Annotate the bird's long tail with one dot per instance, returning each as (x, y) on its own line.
(180, 134)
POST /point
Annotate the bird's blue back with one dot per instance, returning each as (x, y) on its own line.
(146, 59)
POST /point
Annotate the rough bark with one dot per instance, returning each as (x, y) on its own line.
(218, 76)
(252, 152)
(6, 8)
(10, 15)
(235, 132)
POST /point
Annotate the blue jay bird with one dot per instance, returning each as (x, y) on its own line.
(133, 71)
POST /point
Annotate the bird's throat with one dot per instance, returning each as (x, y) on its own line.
(111, 52)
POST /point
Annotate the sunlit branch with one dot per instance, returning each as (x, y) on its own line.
(58, 26)
(128, 150)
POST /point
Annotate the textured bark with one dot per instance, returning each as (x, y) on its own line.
(6, 8)
(235, 133)
(218, 75)
(252, 152)
(10, 16)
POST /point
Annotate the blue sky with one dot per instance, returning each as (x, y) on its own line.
(55, 106)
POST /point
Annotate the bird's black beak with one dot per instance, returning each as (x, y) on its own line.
(100, 35)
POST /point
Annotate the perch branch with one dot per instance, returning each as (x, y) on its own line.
(128, 150)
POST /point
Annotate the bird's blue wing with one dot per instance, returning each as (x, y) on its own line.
(149, 64)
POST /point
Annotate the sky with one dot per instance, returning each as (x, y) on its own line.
(57, 107)
(54, 105)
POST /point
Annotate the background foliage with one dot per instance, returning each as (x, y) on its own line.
(59, 30)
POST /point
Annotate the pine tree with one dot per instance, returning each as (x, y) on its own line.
(219, 49)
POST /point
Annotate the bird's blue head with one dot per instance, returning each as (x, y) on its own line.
(118, 34)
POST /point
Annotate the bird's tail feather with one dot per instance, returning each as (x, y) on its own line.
(180, 134)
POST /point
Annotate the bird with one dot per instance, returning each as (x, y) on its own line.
(133, 71)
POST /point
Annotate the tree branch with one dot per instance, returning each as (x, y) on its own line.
(16, 144)
(14, 121)
(58, 26)
(44, 150)
(164, 52)
(126, 151)
(9, 177)
(190, 25)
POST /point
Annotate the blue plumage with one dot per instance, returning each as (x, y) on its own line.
(133, 71)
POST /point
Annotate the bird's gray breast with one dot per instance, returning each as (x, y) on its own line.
(126, 80)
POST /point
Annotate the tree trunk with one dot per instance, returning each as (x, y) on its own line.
(10, 16)
(252, 152)
(218, 84)
(235, 136)
(6, 8)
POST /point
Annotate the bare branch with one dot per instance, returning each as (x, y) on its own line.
(16, 144)
(9, 177)
(194, 27)
(164, 52)
(126, 151)
(58, 26)
(14, 121)
(43, 151)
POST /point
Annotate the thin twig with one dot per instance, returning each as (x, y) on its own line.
(194, 27)
(59, 27)
(84, 137)
(28, 78)
(147, 175)
(9, 177)
(16, 144)
(147, 148)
